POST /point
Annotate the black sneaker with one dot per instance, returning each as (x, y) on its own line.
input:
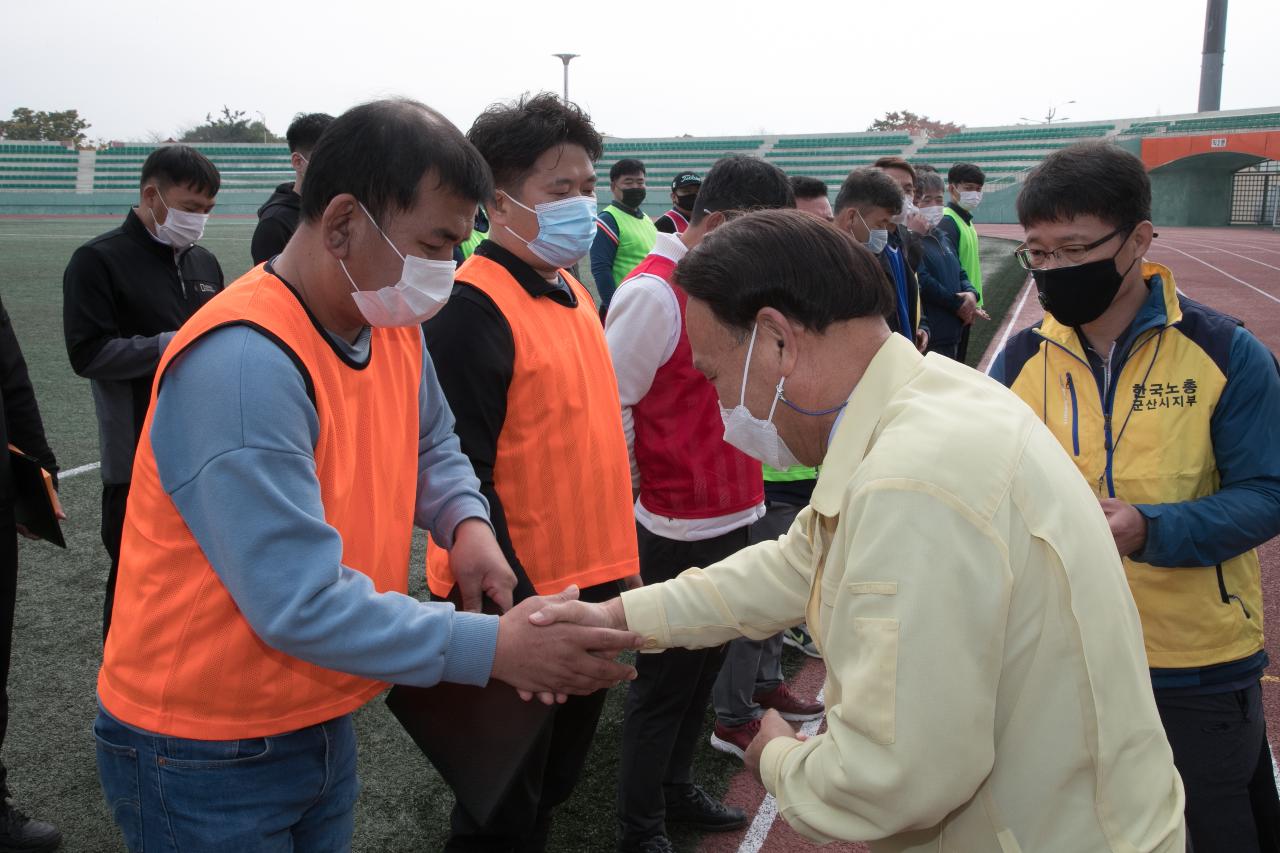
(695, 807)
(21, 834)
(652, 844)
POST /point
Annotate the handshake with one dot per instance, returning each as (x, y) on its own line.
(555, 645)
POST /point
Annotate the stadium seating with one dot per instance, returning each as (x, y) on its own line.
(869, 140)
(37, 166)
(1249, 122)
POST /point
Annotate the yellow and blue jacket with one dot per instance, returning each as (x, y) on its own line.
(1182, 421)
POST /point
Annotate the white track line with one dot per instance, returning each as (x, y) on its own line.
(76, 472)
(1219, 248)
(1259, 290)
(758, 832)
(1275, 774)
(1010, 320)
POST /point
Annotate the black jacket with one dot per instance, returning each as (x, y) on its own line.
(123, 296)
(942, 280)
(20, 422)
(277, 220)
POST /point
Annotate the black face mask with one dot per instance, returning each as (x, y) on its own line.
(686, 202)
(633, 197)
(1080, 294)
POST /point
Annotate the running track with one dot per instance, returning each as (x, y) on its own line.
(1233, 270)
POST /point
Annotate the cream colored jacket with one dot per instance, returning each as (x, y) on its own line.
(987, 688)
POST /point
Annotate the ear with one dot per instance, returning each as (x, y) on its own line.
(295, 160)
(1142, 236)
(776, 338)
(339, 222)
(499, 210)
(712, 221)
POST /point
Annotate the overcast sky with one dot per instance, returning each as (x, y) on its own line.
(647, 69)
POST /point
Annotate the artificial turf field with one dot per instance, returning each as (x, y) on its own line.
(404, 806)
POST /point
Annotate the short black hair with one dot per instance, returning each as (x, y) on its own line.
(925, 168)
(380, 152)
(625, 166)
(809, 270)
(1087, 179)
(893, 161)
(966, 173)
(869, 187)
(740, 182)
(805, 187)
(512, 135)
(182, 165)
(927, 181)
(305, 129)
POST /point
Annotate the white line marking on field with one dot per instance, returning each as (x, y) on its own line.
(1009, 321)
(1275, 774)
(758, 832)
(1223, 272)
(76, 472)
(1229, 252)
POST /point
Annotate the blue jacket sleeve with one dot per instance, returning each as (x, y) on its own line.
(1245, 511)
(234, 435)
(603, 252)
(933, 291)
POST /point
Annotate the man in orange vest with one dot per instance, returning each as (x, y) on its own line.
(296, 434)
(524, 363)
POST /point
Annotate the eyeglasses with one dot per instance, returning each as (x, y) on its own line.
(1072, 255)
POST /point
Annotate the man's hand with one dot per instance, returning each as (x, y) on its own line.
(631, 582)
(771, 726)
(922, 339)
(570, 610)
(917, 224)
(479, 567)
(1128, 526)
(968, 307)
(558, 658)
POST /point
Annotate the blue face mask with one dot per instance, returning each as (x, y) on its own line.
(566, 229)
(877, 238)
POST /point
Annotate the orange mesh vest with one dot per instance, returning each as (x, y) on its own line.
(561, 470)
(180, 659)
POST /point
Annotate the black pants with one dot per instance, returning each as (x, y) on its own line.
(950, 350)
(667, 703)
(8, 598)
(114, 499)
(522, 821)
(1220, 749)
(962, 348)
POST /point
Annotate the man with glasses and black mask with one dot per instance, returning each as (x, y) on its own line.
(124, 295)
(1171, 411)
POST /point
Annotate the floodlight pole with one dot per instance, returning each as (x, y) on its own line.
(1215, 39)
(566, 58)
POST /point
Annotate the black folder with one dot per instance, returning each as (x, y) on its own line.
(478, 738)
(35, 504)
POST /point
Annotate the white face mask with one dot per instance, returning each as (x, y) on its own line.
(932, 215)
(909, 210)
(180, 228)
(877, 238)
(970, 199)
(754, 437)
(423, 289)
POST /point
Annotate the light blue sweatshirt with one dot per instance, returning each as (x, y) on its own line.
(234, 437)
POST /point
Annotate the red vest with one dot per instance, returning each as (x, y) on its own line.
(686, 468)
(677, 219)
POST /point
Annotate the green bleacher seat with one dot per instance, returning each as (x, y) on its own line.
(843, 141)
(1215, 123)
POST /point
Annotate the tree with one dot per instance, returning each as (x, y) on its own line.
(35, 125)
(230, 126)
(912, 123)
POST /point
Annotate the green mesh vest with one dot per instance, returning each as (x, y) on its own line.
(635, 241)
(469, 245)
(968, 250)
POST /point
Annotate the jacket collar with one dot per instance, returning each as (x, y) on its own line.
(1161, 310)
(891, 368)
(134, 227)
(960, 211)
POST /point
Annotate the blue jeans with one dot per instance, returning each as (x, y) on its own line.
(289, 792)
